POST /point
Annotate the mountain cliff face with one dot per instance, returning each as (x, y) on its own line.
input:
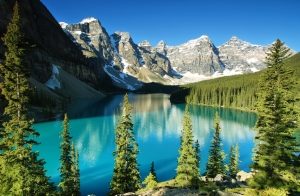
(91, 37)
(128, 64)
(196, 56)
(242, 56)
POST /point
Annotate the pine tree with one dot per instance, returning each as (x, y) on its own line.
(75, 171)
(152, 170)
(187, 168)
(151, 180)
(215, 164)
(276, 148)
(234, 161)
(126, 175)
(21, 171)
(197, 150)
(66, 181)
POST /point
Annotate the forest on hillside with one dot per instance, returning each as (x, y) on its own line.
(238, 91)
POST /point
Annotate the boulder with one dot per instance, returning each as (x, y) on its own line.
(218, 178)
(242, 176)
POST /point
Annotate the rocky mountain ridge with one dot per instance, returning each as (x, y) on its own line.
(130, 64)
(242, 56)
(199, 56)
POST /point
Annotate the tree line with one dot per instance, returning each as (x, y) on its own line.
(234, 91)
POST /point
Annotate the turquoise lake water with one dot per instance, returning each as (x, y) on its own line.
(157, 126)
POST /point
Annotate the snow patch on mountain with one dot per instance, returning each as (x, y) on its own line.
(113, 43)
(77, 32)
(63, 24)
(53, 83)
(88, 20)
(252, 60)
(122, 80)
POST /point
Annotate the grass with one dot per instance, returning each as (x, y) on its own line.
(254, 192)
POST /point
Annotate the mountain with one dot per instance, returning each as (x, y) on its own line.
(242, 56)
(131, 65)
(128, 64)
(53, 57)
(196, 56)
(50, 44)
(91, 38)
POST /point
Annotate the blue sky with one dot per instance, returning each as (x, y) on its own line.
(176, 21)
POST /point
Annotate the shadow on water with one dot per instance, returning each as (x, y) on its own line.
(110, 105)
(90, 108)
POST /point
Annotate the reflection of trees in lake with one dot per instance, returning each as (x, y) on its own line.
(236, 125)
(95, 135)
(246, 118)
(154, 116)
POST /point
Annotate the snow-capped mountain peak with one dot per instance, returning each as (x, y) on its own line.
(234, 38)
(194, 42)
(196, 56)
(242, 56)
(88, 20)
(63, 24)
(235, 41)
(200, 39)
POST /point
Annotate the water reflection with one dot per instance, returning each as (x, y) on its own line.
(157, 125)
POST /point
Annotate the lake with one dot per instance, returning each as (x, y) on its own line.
(157, 126)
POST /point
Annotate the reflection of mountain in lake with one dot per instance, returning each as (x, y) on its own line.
(94, 137)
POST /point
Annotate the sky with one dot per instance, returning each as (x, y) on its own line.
(177, 21)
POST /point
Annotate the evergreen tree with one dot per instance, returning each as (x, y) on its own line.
(276, 148)
(187, 168)
(197, 150)
(75, 171)
(126, 175)
(215, 164)
(151, 180)
(152, 170)
(66, 181)
(234, 161)
(21, 171)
